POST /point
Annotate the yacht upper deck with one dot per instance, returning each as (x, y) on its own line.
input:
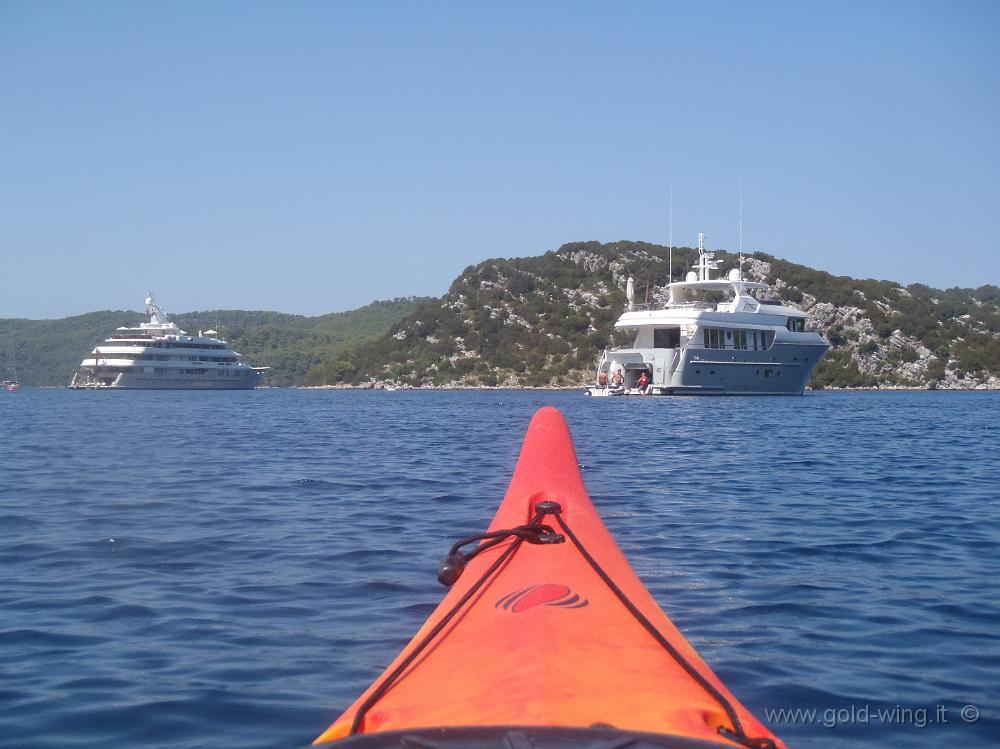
(681, 307)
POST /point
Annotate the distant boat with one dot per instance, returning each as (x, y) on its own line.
(11, 385)
(158, 355)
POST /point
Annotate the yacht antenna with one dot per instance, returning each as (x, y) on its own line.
(741, 227)
(706, 260)
(670, 234)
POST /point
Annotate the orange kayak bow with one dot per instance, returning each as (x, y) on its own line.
(547, 638)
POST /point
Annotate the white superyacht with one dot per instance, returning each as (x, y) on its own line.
(740, 346)
(160, 356)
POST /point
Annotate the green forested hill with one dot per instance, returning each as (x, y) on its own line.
(544, 320)
(47, 352)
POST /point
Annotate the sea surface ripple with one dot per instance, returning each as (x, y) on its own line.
(183, 569)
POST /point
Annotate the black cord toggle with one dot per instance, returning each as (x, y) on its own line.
(454, 563)
(451, 569)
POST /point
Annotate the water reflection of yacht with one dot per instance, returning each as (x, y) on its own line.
(159, 355)
(743, 345)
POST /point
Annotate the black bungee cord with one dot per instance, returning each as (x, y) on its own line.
(451, 569)
(737, 734)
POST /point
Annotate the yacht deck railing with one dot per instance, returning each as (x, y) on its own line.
(682, 305)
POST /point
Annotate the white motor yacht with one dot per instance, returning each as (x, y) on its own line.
(160, 356)
(743, 345)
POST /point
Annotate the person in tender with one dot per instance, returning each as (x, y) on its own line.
(642, 382)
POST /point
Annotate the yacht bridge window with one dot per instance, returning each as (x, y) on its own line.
(796, 324)
(735, 339)
(714, 337)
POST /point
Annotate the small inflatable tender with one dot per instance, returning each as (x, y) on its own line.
(547, 638)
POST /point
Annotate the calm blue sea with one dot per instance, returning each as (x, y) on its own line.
(232, 569)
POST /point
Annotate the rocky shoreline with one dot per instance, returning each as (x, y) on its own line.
(992, 385)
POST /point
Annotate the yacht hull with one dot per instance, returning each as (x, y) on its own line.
(168, 382)
(783, 369)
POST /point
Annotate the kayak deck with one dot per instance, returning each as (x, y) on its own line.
(538, 635)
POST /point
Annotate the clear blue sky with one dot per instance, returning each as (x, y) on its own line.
(311, 157)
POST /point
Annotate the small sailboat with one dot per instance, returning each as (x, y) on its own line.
(11, 385)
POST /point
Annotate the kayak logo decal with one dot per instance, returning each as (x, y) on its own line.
(549, 594)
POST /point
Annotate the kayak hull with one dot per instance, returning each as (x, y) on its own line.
(554, 635)
(521, 737)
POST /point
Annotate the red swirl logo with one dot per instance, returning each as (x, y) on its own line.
(549, 594)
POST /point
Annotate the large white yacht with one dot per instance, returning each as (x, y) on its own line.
(743, 345)
(160, 356)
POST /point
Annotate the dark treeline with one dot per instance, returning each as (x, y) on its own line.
(47, 352)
